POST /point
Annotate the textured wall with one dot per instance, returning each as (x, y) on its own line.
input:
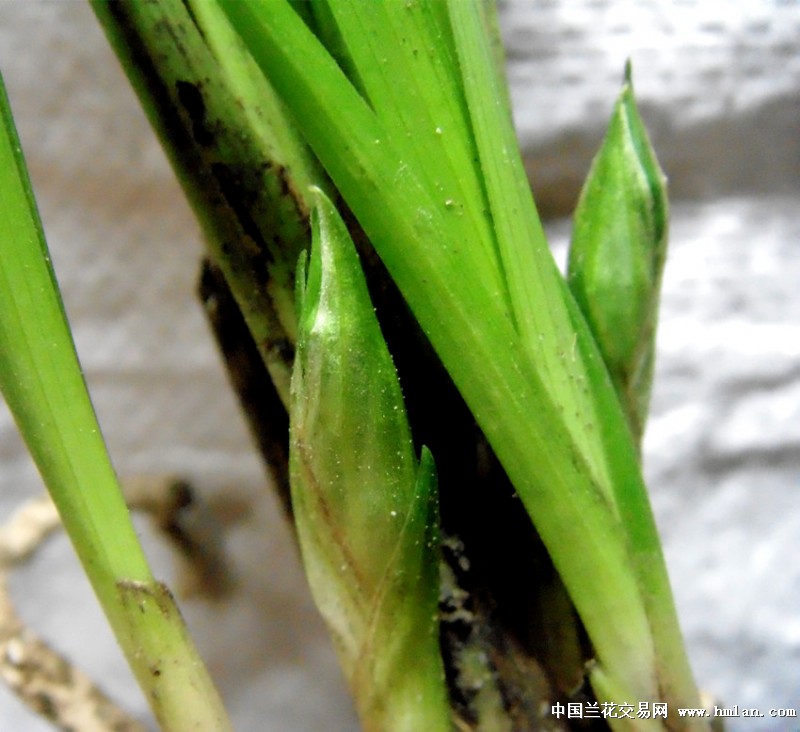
(718, 82)
(719, 85)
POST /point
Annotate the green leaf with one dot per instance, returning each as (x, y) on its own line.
(237, 154)
(575, 470)
(535, 287)
(43, 384)
(365, 511)
(395, 52)
(41, 380)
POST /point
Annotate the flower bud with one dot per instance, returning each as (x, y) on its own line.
(365, 509)
(617, 254)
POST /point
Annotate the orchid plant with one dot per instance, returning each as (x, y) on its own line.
(452, 423)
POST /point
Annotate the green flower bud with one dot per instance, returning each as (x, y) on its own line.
(617, 254)
(365, 509)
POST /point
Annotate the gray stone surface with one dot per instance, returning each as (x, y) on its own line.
(719, 84)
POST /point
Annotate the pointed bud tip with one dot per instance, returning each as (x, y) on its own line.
(628, 74)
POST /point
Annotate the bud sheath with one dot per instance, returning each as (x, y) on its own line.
(617, 254)
(365, 510)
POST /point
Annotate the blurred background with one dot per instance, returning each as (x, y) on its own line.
(719, 88)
